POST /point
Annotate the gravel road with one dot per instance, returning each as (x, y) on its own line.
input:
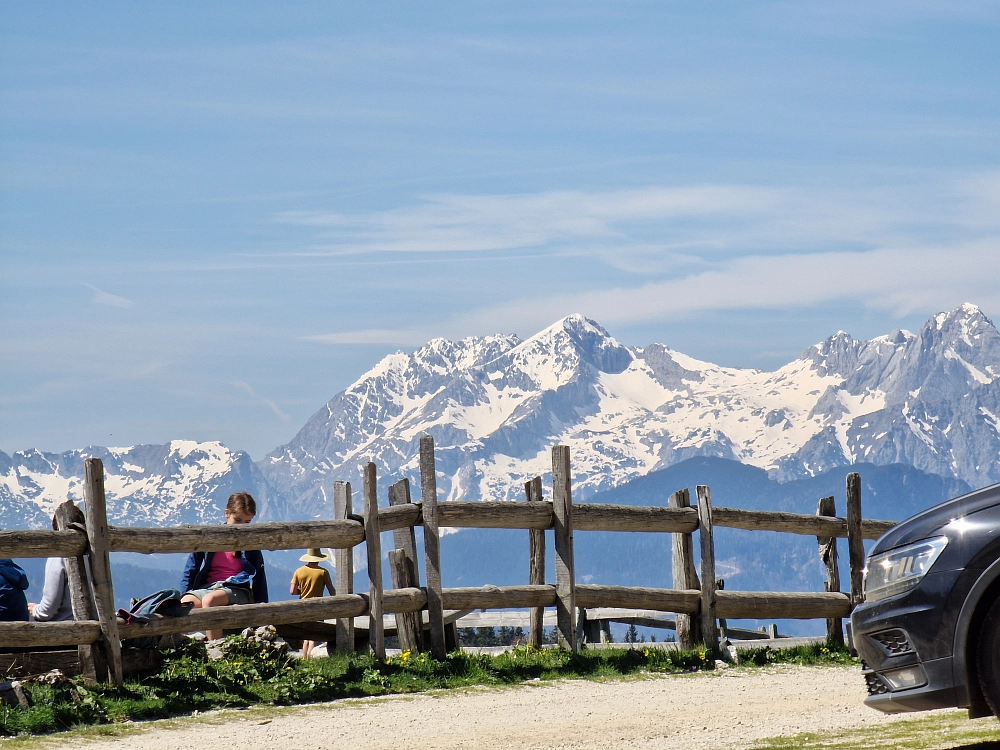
(728, 709)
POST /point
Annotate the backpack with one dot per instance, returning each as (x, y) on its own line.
(164, 603)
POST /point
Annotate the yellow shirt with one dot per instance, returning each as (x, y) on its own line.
(311, 581)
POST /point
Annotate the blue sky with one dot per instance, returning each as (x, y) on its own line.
(215, 216)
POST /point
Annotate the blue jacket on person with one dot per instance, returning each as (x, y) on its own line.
(251, 577)
(13, 582)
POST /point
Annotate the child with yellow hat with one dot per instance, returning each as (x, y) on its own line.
(310, 580)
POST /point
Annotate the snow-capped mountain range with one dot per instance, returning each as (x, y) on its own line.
(496, 404)
(146, 485)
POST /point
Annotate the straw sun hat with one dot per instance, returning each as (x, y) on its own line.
(314, 555)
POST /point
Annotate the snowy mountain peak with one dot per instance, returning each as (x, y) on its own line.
(147, 485)
(576, 339)
(495, 405)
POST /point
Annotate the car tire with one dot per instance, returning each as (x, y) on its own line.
(988, 658)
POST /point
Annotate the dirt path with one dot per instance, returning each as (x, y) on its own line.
(729, 710)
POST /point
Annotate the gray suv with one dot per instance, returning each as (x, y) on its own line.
(928, 631)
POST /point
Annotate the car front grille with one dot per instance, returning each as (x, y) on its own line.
(875, 684)
(894, 642)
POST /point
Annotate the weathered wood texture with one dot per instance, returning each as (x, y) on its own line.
(607, 517)
(342, 534)
(495, 515)
(499, 597)
(432, 547)
(408, 624)
(398, 517)
(794, 523)
(67, 633)
(339, 534)
(685, 574)
(373, 543)
(344, 561)
(706, 542)
(135, 661)
(92, 662)
(636, 597)
(855, 543)
(100, 565)
(828, 554)
(39, 543)
(781, 605)
(405, 570)
(403, 537)
(536, 564)
(253, 615)
(562, 514)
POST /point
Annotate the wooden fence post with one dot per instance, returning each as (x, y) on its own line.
(93, 664)
(432, 547)
(407, 625)
(562, 507)
(828, 554)
(405, 572)
(100, 564)
(685, 576)
(855, 542)
(345, 567)
(536, 564)
(709, 631)
(376, 629)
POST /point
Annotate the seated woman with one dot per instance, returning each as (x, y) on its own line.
(217, 579)
(13, 582)
(56, 603)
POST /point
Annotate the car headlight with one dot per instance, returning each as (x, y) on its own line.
(901, 569)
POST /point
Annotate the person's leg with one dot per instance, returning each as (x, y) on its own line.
(216, 598)
(307, 647)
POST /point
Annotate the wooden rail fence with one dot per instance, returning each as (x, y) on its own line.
(698, 606)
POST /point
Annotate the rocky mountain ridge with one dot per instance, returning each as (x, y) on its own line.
(496, 404)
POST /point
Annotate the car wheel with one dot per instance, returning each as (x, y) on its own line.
(988, 658)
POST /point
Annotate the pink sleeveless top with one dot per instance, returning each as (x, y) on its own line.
(223, 566)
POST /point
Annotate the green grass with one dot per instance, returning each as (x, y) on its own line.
(936, 731)
(249, 676)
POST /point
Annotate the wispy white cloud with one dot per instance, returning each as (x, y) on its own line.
(269, 403)
(111, 300)
(373, 336)
(896, 280)
(656, 229)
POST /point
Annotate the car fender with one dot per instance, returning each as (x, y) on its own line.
(960, 669)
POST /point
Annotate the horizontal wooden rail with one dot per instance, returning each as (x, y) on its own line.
(606, 517)
(637, 597)
(498, 597)
(601, 517)
(278, 613)
(265, 536)
(42, 543)
(735, 605)
(785, 605)
(399, 516)
(794, 523)
(484, 515)
(67, 633)
(491, 515)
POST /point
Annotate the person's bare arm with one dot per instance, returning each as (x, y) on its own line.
(329, 584)
(294, 589)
